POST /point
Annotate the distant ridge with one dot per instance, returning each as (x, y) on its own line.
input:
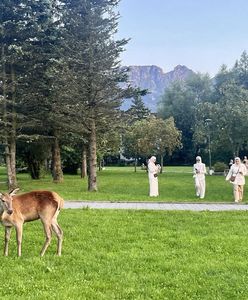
(155, 80)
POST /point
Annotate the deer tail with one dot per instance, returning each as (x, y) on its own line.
(59, 200)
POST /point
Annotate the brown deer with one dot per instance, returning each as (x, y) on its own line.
(15, 210)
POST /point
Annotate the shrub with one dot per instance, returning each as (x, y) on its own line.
(220, 167)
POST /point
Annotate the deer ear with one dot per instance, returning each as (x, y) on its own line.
(13, 192)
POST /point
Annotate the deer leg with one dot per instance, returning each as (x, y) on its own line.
(48, 234)
(19, 239)
(6, 240)
(59, 233)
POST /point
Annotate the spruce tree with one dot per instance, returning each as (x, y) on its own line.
(13, 34)
(93, 54)
(138, 111)
(43, 106)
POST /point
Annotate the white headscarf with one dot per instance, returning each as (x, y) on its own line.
(238, 160)
(198, 158)
(152, 159)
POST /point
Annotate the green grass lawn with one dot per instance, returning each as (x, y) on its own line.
(123, 184)
(133, 255)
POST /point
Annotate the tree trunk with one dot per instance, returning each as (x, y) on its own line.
(237, 149)
(9, 131)
(92, 158)
(10, 152)
(33, 167)
(135, 164)
(162, 163)
(100, 164)
(84, 164)
(57, 172)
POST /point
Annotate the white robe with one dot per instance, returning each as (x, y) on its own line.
(239, 182)
(199, 170)
(235, 171)
(153, 181)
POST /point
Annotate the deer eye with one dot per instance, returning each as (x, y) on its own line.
(2, 200)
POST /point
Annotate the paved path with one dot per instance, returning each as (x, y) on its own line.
(156, 205)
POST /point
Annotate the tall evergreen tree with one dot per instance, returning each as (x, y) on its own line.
(46, 87)
(13, 33)
(93, 54)
(41, 105)
(138, 110)
(240, 70)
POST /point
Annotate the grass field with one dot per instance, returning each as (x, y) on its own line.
(133, 255)
(116, 254)
(123, 184)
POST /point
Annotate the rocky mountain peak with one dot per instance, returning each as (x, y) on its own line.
(155, 80)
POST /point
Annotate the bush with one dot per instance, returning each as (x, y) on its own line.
(220, 167)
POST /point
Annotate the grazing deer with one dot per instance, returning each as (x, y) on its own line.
(15, 210)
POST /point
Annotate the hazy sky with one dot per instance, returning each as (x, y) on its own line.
(201, 34)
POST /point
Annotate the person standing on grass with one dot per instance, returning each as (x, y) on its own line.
(236, 176)
(153, 171)
(199, 170)
(245, 162)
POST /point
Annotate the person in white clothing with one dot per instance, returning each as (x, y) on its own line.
(236, 176)
(153, 171)
(199, 170)
(245, 162)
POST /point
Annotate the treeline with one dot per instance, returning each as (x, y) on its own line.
(59, 79)
(210, 113)
(61, 88)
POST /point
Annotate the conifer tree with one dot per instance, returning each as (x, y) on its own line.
(138, 110)
(45, 98)
(93, 55)
(13, 34)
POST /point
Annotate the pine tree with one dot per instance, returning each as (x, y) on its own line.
(44, 107)
(13, 34)
(240, 70)
(93, 55)
(138, 110)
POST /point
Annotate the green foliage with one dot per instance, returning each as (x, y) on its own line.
(92, 55)
(223, 100)
(70, 160)
(180, 101)
(240, 70)
(166, 136)
(137, 140)
(152, 136)
(228, 114)
(138, 111)
(61, 75)
(60, 70)
(220, 166)
(109, 143)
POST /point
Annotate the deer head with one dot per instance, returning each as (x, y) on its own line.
(6, 201)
